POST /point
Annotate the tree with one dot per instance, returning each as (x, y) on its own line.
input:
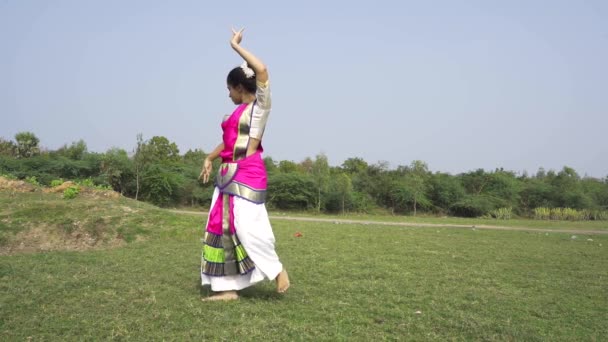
(195, 157)
(7, 148)
(354, 166)
(306, 165)
(117, 168)
(416, 182)
(161, 185)
(567, 190)
(271, 166)
(444, 190)
(291, 191)
(161, 149)
(141, 159)
(320, 174)
(76, 151)
(344, 187)
(287, 166)
(534, 193)
(27, 144)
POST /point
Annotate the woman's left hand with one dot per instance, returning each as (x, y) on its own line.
(206, 171)
(237, 36)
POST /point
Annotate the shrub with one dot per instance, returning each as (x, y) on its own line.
(56, 182)
(88, 182)
(71, 192)
(32, 180)
(502, 213)
(542, 213)
(8, 176)
(474, 206)
(569, 214)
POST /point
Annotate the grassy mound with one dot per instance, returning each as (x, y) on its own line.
(42, 220)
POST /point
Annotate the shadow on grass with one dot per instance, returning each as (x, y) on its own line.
(257, 291)
(260, 292)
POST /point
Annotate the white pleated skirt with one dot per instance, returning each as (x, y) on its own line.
(255, 233)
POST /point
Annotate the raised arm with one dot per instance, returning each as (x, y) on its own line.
(261, 74)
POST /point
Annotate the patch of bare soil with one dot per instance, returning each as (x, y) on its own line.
(16, 185)
(45, 239)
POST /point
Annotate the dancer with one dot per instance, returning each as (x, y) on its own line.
(238, 249)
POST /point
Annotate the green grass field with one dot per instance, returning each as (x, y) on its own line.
(349, 282)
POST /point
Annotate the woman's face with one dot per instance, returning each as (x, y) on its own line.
(235, 95)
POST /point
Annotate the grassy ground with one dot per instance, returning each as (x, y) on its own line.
(349, 282)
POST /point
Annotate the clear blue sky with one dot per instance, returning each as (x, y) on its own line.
(460, 85)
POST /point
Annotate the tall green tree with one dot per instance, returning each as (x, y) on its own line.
(444, 190)
(291, 191)
(7, 148)
(76, 151)
(195, 157)
(416, 180)
(161, 149)
(320, 174)
(117, 169)
(141, 159)
(27, 144)
(288, 166)
(354, 166)
(344, 188)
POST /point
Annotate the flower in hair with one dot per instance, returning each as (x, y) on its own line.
(247, 70)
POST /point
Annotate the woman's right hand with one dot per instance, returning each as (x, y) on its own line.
(237, 36)
(206, 171)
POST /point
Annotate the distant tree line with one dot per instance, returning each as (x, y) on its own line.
(156, 172)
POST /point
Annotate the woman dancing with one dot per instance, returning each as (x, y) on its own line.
(238, 249)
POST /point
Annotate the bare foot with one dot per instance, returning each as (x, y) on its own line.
(282, 282)
(225, 295)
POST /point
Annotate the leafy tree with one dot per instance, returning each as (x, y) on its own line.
(597, 190)
(76, 151)
(161, 149)
(117, 168)
(195, 157)
(307, 165)
(161, 185)
(270, 164)
(473, 206)
(416, 182)
(444, 190)
(354, 166)
(343, 187)
(142, 158)
(287, 166)
(567, 190)
(534, 193)
(291, 191)
(27, 144)
(320, 174)
(7, 148)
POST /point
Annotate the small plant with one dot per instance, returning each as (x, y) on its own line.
(71, 192)
(569, 214)
(598, 215)
(8, 176)
(56, 182)
(88, 182)
(103, 187)
(542, 213)
(32, 180)
(502, 213)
